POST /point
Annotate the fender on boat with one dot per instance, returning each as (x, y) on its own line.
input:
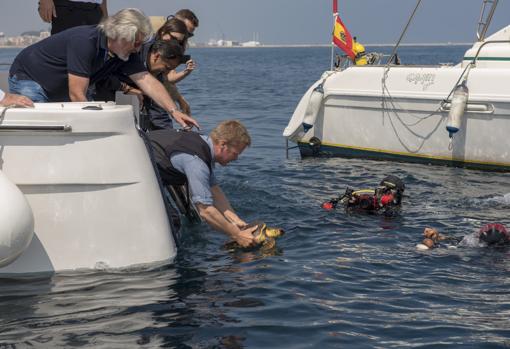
(306, 113)
(457, 109)
(16, 221)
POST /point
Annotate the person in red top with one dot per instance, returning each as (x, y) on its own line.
(492, 234)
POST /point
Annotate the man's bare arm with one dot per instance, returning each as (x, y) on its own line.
(104, 9)
(218, 222)
(47, 10)
(78, 86)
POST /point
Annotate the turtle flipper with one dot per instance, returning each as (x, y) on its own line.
(268, 244)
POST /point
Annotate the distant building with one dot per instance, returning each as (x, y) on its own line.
(251, 43)
(222, 43)
(25, 39)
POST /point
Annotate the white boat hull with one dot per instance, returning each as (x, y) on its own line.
(398, 113)
(91, 185)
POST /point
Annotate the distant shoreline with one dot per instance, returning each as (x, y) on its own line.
(309, 45)
(329, 45)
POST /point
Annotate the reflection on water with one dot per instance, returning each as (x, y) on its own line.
(84, 308)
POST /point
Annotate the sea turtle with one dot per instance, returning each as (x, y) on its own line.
(264, 236)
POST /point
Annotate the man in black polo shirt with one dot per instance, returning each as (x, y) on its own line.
(66, 66)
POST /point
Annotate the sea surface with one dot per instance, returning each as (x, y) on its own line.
(335, 280)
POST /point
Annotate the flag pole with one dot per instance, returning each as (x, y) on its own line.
(335, 14)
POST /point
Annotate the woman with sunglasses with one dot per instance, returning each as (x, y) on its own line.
(176, 29)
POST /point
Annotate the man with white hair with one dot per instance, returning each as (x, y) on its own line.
(66, 66)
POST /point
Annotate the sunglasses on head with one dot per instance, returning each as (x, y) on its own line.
(188, 35)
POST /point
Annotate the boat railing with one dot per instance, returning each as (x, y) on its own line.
(475, 58)
(373, 59)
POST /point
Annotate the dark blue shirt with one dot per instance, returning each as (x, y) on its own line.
(80, 51)
(159, 117)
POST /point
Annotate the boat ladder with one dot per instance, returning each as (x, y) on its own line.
(488, 8)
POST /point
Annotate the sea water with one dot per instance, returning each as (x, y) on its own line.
(336, 280)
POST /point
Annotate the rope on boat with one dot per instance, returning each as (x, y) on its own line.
(392, 56)
(388, 101)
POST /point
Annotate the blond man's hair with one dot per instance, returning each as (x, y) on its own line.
(232, 132)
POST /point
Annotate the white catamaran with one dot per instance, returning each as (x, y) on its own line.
(455, 115)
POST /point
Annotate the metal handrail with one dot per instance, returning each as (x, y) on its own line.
(37, 128)
(486, 43)
(478, 108)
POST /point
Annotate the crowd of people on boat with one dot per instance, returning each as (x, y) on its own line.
(91, 55)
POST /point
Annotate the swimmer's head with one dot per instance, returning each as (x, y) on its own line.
(494, 234)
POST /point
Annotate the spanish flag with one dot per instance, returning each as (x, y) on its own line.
(342, 38)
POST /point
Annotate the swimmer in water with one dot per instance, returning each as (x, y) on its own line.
(493, 234)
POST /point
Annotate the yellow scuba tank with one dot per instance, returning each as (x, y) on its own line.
(457, 108)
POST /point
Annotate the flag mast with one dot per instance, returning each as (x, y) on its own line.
(335, 15)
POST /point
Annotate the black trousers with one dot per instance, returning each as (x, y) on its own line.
(72, 14)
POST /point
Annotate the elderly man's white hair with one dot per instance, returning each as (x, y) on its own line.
(125, 24)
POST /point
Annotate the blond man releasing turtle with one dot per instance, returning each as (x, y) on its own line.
(185, 157)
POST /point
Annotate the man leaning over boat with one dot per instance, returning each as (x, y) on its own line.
(65, 66)
(188, 157)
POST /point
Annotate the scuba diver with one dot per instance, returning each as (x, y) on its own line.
(490, 235)
(385, 199)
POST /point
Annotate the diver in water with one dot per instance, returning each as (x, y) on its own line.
(492, 234)
(385, 199)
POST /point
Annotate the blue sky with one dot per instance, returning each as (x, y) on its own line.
(299, 21)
